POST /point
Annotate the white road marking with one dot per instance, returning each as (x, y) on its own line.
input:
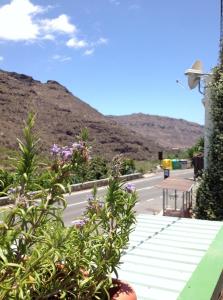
(145, 188)
(149, 200)
(87, 191)
(146, 179)
(78, 203)
(85, 201)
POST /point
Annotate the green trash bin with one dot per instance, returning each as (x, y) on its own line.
(176, 164)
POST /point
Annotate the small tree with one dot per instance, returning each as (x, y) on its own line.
(210, 192)
(196, 149)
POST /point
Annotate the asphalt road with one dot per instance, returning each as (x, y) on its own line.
(149, 195)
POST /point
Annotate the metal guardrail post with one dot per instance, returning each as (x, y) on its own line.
(175, 199)
(164, 200)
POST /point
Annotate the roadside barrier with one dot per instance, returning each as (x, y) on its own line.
(83, 186)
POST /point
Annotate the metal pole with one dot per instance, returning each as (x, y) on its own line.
(191, 198)
(164, 201)
(208, 121)
(187, 201)
(175, 197)
(221, 25)
(167, 198)
(183, 201)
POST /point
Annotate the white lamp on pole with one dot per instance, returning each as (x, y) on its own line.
(195, 75)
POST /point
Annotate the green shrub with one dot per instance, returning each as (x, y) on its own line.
(209, 200)
(128, 166)
(196, 149)
(98, 168)
(6, 180)
(42, 259)
(43, 179)
(145, 166)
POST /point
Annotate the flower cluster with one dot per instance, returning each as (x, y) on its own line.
(66, 153)
(94, 205)
(80, 222)
(130, 188)
(78, 146)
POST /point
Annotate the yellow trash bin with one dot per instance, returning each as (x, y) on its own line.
(167, 164)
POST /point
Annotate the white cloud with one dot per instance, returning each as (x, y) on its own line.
(19, 21)
(16, 21)
(61, 58)
(102, 41)
(1, 58)
(59, 24)
(76, 44)
(115, 2)
(22, 21)
(49, 37)
(89, 52)
(91, 46)
(134, 7)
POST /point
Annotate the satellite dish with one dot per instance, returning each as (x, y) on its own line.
(194, 74)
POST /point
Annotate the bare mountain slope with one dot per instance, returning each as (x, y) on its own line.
(167, 132)
(60, 117)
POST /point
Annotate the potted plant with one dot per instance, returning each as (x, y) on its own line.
(40, 258)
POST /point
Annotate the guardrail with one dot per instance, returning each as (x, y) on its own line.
(83, 186)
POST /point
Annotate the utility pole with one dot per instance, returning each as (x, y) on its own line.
(195, 75)
(221, 36)
(221, 25)
(207, 97)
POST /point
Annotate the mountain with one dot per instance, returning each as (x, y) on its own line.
(167, 132)
(60, 117)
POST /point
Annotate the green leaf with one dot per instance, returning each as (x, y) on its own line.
(85, 281)
(21, 295)
(14, 265)
(61, 187)
(69, 188)
(99, 286)
(3, 257)
(25, 176)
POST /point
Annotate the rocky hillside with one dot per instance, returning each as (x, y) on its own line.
(60, 117)
(167, 132)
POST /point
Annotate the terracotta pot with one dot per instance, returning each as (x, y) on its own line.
(122, 291)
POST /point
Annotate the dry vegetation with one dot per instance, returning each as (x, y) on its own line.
(61, 116)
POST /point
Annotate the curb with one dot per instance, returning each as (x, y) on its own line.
(102, 182)
(83, 186)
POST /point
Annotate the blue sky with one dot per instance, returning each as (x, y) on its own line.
(119, 56)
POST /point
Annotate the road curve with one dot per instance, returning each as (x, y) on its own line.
(149, 196)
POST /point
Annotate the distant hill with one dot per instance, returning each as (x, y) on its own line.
(60, 117)
(167, 132)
